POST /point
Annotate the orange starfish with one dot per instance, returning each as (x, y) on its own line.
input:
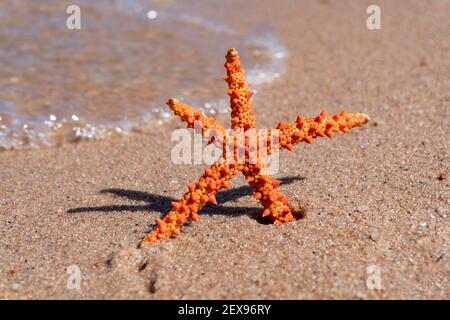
(276, 205)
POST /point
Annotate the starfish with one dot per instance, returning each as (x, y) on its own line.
(216, 177)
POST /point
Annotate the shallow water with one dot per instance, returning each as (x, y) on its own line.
(114, 75)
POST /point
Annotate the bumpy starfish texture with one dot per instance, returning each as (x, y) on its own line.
(276, 205)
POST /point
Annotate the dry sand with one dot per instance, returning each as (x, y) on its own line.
(373, 196)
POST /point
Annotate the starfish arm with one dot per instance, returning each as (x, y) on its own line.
(214, 179)
(304, 130)
(276, 205)
(188, 114)
(242, 115)
(242, 145)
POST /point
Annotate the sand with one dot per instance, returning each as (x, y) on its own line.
(373, 197)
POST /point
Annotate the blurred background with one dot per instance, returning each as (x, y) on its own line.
(115, 74)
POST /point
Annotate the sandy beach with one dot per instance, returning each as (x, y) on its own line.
(376, 198)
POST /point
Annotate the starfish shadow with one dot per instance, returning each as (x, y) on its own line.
(162, 204)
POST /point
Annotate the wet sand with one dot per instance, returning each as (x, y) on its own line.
(373, 196)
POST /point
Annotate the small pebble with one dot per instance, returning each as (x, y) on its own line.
(442, 176)
(365, 144)
(362, 208)
(375, 234)
(442, 212)
(423, 224)
(15, 286)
